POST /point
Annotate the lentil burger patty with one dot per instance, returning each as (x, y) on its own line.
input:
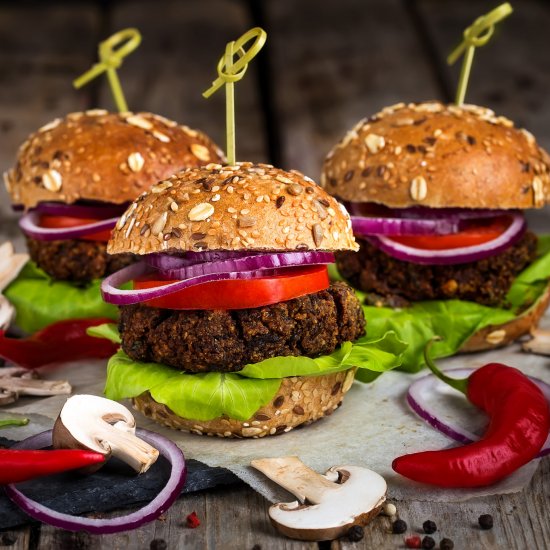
(217, 340)
(76, 260)
(485, 281)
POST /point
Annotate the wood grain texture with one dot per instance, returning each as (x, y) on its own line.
(176, 62)
(37, 66)
(336, 64)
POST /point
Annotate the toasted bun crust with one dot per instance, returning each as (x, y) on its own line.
(299, 401)
(246, 206)
(103, 156)
(496, 336)
(436, 155)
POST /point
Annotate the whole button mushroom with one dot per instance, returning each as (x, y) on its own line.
(105, 426)
(327, 505)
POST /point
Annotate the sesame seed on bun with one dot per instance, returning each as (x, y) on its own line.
(436, 155)
(246, 206)
(101, 156)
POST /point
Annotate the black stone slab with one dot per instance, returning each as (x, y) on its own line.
(114, 487)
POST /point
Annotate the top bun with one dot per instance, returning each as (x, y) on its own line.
(103, 156)
(246, 206)
(436, 155)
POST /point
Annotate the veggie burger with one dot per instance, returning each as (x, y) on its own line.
(231, 307)
(74, 177)
(437, 193)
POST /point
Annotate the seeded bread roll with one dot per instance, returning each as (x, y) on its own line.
(103, 156)
(440, 156)
(299, 401)
(246, 206)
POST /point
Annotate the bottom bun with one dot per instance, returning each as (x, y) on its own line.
(299, 401)
(496, 336)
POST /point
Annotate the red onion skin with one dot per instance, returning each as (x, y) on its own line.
(134, 520)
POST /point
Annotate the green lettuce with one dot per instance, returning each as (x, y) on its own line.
(455, 320)
(204, 396)
(40, 301)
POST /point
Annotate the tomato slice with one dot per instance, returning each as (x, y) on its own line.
(476, 232)
(241, 293)
(61, 222)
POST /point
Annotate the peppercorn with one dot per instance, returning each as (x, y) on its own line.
(158, 544)
(399, 527)
(428, 542)
(413, 542)
(356, 533)
(485, 521)
(429, 527)
(446, 544)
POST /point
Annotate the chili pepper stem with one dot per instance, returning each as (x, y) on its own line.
(460, 385)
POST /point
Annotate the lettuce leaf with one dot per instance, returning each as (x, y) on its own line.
(107, 331)
(454, 320)
(239, 395)
(40, 301)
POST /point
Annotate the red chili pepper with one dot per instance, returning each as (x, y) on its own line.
(193, 521)
(61, 341)
(20, 465)
(518, 427)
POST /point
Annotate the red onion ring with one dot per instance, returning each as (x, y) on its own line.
(453, 255)
(148, 513)
(222, 271)
(99, 211)
(421, 390)
(363, 226)
(163, 261)
(29, 224)
(249, 263)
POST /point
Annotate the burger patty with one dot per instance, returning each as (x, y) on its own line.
(76, 260)
(225, 341)
(485, 281)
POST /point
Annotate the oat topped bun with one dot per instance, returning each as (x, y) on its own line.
(246, 206)
(110, 157)
(437, 155)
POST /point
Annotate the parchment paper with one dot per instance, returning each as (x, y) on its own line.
(373, 426)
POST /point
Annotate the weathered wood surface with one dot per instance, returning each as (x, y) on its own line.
(328, 65)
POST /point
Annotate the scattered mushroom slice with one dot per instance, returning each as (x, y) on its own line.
(10, 264)
(327, 505)
(540, 342)
(7, 313)
(105, 426)
(16, 381)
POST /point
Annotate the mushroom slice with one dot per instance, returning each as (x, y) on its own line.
(539, 343)
(16, 381)
(327, 505)
(10, 264)
(7, 313)
(105, 426)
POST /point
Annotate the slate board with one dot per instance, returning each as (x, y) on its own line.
(114, 487)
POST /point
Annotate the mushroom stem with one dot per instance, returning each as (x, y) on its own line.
(540, 342)
(293, 475)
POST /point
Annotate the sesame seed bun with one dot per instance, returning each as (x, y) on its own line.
(299, 401)
(246, 206)
(437, 155)
(110, 157)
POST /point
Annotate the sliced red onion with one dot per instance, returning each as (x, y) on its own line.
(30, 225)
(114, 295)
(453, 255)
(430, 399)
(403, 226)
(94, 210)
(163, 261)
(249, 263)
(148, 513)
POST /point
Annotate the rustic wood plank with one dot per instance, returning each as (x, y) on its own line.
(521, 520)
(42, 48)
(177, 61)
(334, 65)
(16, 539)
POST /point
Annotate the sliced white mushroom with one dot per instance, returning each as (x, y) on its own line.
(17, 381)
(540, 342)
(10, 264)
(105, 426)
(7, 313)
(327, 505)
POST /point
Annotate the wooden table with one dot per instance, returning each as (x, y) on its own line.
(326, 65)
